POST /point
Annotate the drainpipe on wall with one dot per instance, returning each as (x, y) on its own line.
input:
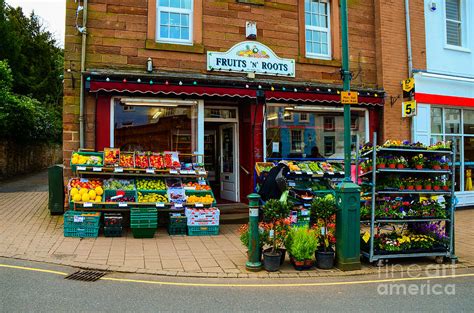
(407, 25)
(83, 65)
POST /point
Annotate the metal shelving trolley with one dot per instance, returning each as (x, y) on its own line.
(405, 211)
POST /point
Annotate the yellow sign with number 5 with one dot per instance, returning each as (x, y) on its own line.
(408, 108)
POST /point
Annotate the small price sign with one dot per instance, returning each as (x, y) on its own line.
(150, 171)
(349, 97)
(409, 108)
(173, 172)
(178, 205)
(78, 219)
(160, 205)
(81, 168)
(309, 172)
(291, 184)
(366, 237)
(202, 172)
(198, 205)
(122, 204)
(87, 205)
(298, 172)
(118, 170)
(97, 169)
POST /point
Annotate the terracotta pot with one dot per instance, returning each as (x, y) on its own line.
(410, 187)
(380, 165)
(418, 187)
(392, 165)
(436, 188)
(402, 187)
(436, 167)
(428, 187)
(370, 168)
(446, 188)
(446, 167)
(400, 166)
(419, 167)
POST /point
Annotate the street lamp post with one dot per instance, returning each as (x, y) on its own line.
(347, 193)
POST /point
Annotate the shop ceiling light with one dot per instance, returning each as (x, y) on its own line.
(156, 102)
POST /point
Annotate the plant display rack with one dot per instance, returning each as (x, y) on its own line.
(386, 195)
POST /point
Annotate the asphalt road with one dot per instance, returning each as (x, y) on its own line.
(23, 290)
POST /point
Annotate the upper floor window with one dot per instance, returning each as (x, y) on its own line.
(453, 23)
(175, 21)
(317, 29)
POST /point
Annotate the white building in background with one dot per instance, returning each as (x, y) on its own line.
(445, 91)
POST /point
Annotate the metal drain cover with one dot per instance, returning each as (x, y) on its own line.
(85, 275)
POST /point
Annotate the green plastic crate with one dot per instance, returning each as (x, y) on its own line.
(88, 220)
(87, 227)
(112, 231)
(86, 153)
(81, 231)
(144, 223)
(144, 232)
(177, 229)
(212, 230)
(143, 210)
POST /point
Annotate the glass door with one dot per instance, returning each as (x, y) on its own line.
(228, 162)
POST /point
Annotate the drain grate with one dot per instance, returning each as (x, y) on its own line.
(85, 275)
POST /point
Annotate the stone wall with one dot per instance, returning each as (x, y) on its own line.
(16, 159)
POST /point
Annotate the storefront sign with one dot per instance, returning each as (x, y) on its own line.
(408, 108)
(250, 57)
(349, 97)
(408, 84)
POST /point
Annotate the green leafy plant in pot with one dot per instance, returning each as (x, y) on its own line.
(301, 244)
(323, 210)
(275, 214)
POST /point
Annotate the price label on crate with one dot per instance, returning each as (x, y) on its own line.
(87, 204)
(319, 173)
(341, 172)
(97, 169)
(81, 168)
(306, 204)
(198, 205)
(298, 172)
(118, 170)
(122, 204)
(160, 205)
(150, 171)
(202, 183)
(202, 172)
(184, 171)
(291, 184)
(173, 172)
(191, 172)
(309, 172)
(78, 219)
(178, 205)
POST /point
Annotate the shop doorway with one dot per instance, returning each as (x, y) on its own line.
(221, 152)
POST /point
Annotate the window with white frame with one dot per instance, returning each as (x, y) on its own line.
(175, 21)
(453, 23)
(296, 140)
(329, 145)
(329, 123)
(304, 117)
(287, 116)
(317, 29)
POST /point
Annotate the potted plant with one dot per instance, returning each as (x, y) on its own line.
(427, 184)
(391, 161)
(301, 244)
(418, 161)
(435, 163)
(437, 185)
(418, 185)
(380, 162)
(244, 236)
(324, 209)
(274, 212)
(401, 163)
(447, 185)
(444, 165)
(410, 183)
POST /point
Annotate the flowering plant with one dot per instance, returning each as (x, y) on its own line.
(391, 160)
(275, 214)
(323, 210)
(418, 159)
(401, 160)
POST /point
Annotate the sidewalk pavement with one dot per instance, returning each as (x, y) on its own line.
(29, 232)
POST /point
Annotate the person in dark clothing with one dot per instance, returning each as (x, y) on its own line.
(315, 153)
(275, 183)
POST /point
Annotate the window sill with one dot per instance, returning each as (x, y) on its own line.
(304, 60)
(456, 48)
(195, 48)
(256, 2)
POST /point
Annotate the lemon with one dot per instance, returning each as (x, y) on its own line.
(83, 191)
(74, 191)
(98, 198)
(77, 197)
(99, 191)
(92, 194)
(85, 197)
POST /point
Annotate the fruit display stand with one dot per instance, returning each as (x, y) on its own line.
(408, 201)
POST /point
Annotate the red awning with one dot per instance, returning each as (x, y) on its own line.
(153, 89)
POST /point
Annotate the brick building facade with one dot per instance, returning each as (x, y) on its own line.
(122, 36)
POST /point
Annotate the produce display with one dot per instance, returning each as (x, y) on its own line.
(176, 195)
(172, 160)
(174, 183)
(111, 156)
(196, 186)
(126, 159)
(121, 198)
(152, 197)
(119, 184)
(157, 161)
(141, 160)
(150, 184)
(207, 199)
(85, 183)
(83, 159)
(86, 195)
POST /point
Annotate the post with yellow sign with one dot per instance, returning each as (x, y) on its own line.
(409, 108)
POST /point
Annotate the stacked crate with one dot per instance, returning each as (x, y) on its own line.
(203, 222)
(81, 224)
(113, 224)
(143, 222)
(177, 224)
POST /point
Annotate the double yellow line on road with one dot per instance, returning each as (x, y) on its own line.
(153, 282)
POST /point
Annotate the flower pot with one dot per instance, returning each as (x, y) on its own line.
(308, 264)
(271, 261)
(436, 188)
(369, 168)
(445, 188)
(325, 260)
(282, 251)
(436, 167)
(402, 187)
(410, 187)
(445, 167)
(380, 165)
(400, 166)
(419, 167)
(418, 187)
(392, 165)
(428, 187)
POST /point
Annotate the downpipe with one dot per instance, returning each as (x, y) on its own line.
(83, 65)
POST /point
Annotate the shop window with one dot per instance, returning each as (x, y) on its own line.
(329, 145)
(317, 29)
(296, 140)
(304, 117)
(155, 127)
(288, 116)
(468, 163)
(210, 113)
(329, 123)
(452, 121)
(436, 121)
(354, 123)
(175, 21)
(468, 121)
(453, 23)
